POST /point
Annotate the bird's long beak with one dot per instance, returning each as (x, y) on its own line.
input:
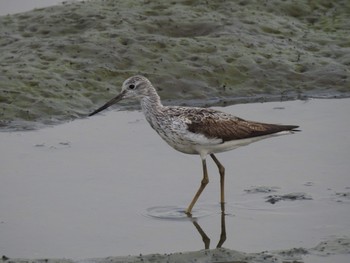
(109, 103)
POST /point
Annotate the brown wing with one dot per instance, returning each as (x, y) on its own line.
(227, 128)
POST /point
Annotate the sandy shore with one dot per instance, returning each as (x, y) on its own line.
(92, 188)
(60, 60)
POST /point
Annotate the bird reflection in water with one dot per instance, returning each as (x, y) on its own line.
(204, 236)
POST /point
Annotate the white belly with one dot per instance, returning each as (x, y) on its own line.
(204, 146)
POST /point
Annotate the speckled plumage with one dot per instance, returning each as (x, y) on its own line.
(194, 130)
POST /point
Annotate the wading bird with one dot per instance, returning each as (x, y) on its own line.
(194, 130)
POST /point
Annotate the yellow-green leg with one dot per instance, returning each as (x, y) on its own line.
(222, 178)
(204, 182)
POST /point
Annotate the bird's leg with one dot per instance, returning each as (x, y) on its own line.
(222, 178)
(204, 182)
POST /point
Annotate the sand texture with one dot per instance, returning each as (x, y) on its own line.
(59, 61)
(325, 250)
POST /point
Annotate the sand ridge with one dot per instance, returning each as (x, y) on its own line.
(59, 62)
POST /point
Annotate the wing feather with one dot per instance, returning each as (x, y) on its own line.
(216, 124)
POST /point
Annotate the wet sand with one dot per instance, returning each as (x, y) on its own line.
(60, 60)
(89, 189)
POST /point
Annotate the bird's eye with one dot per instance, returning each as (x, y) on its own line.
(131, 86)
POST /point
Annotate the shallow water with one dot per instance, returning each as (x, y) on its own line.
(87, 188)
(8, 7)
(176, 213)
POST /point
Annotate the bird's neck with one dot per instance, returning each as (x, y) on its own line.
(151, 104)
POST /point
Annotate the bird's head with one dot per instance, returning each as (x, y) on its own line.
(135, 87)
